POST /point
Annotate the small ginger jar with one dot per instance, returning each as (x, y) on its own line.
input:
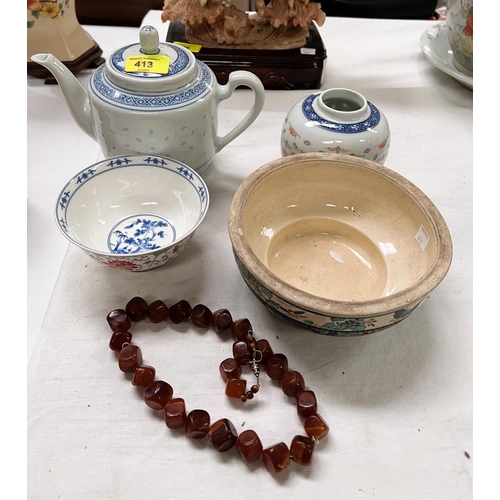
(336, 121)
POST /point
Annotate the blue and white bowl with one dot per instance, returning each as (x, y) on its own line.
(133, 212)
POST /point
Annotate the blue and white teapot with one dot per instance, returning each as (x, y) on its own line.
(154, 98)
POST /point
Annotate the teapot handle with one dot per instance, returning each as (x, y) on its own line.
(236, 79)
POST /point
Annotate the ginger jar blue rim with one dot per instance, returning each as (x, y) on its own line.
(344, 128)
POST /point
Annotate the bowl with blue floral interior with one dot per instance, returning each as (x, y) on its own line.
(132, 212)
(337, 244)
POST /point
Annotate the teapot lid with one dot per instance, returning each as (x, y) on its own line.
(123, 67)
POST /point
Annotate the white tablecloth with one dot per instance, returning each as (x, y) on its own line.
(399, 403)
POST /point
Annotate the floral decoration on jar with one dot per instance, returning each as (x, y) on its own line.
(46, 9)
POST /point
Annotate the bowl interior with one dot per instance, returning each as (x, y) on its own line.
(338, 230)
(132, 205)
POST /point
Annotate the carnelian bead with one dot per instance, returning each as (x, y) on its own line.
(235, 387)
(179, 312)
(158, 394)
(201, 315)
(136, 309)
(316, 427)
(276, 458)
(229, 368)
(221, 320)
(130, 358)
(143, 376)
(241, 352)
(301, 450)
(306, 403)
(249, 446)
(118, 320)
(277, 366)
(197, 424)
(240, 329)
(291, 383)
(175, 413)
(157, 311)
(265, 348)
(222, 434)
(118, 339)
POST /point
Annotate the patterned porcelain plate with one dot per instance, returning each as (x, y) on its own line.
(436, 48)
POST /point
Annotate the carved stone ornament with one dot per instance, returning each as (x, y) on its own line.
(279, 24)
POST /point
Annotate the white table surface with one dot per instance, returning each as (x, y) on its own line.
(399, 403)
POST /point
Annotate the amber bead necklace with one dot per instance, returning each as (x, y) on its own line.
(158, 394)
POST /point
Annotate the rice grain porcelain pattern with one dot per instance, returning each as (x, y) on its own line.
(132, 212)
(172, 113)
(337, 244)
(338, 121)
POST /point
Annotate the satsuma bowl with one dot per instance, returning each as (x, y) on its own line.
(337, 244)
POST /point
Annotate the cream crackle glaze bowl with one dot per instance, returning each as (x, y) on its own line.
(132, 212)
(155, 98)
(336, 121)
(337, 244)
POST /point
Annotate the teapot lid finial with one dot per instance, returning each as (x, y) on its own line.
(149, 40)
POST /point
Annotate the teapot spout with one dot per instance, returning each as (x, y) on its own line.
(76, 98)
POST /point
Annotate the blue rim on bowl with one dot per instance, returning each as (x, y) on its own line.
(159, 239)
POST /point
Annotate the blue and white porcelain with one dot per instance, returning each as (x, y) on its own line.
(172, 114)
(133, 212)
(336, 121)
